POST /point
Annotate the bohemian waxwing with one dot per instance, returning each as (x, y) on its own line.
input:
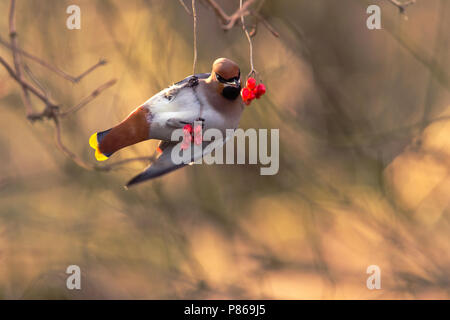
(212, 98)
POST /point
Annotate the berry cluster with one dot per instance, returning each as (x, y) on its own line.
(191, 134)
(252, 91)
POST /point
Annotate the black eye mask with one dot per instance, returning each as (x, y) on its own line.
(223, 80)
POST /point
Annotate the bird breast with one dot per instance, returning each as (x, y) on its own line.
(187, 104)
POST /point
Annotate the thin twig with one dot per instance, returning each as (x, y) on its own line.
(43, 96)
(266, 23)
(185, 7)
(242, 12)
(227, 22)
(66, 150)
(51, 110)
(402, 6)
(61, 73)
(252, 71)
(23, 83)
(16, 56)
(89, 98)
(13, 38)
(35, 80)
(220, 13)
(101, 62)
(194, 15)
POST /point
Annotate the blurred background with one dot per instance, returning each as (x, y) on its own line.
(364, 157)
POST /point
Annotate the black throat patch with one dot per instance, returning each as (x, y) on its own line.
(231, 93)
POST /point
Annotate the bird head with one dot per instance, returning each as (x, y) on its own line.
(227, 77)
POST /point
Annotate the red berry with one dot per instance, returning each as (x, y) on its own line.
(251, 83)
(187, 128)
(260, 90)
(251, 95)
(245, 93)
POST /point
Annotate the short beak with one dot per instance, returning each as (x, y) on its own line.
(236, 83)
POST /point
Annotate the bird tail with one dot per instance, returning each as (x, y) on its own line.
(95, 141)
(135, 128)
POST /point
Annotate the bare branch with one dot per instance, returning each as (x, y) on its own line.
(16, 56)
(23, 83)
(194, 15)
(66, 151)
(185, 7)
(52, 68)
(402, 5)
(266, 24)
(51, 110)
(89, 98)
(227, 22)
(35, 80)
(238, 14)
(252, 71)
(219, 12)
(13, 37)
(101, 62)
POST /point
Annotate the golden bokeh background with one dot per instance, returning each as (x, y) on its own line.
(364, 157)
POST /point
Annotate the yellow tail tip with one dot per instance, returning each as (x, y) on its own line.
(93, 142)
(100, 156)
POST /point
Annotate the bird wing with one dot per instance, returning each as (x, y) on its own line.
(197, 75)
(174, 107)
(159, 167)
(165, 97)
(164, 164)
(188, 82)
